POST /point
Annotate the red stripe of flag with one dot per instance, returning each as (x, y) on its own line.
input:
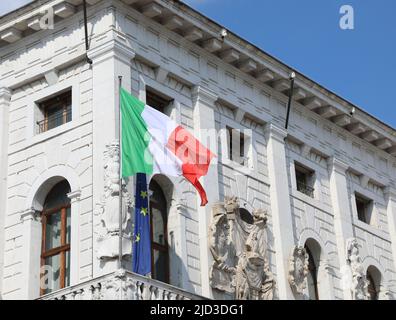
(194, 156)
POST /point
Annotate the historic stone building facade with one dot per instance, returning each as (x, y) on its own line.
(303, 213)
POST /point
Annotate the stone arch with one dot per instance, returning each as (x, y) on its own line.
(317, 246)
(167, 187)
(372, 265)
(44, 183)
(31, 222)
(309, 233)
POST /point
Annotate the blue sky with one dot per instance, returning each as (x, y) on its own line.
(359, 64)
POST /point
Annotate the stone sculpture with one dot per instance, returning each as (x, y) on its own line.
(239, 251)
(298, 269)
(358, 283)
(108, 208)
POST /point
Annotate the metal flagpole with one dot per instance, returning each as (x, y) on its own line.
(120, 159)
(292, 76)
(86, 31)
(149, 194)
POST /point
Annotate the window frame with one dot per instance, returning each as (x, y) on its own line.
(60, 250)
(62, 101)
(309, 177)
(243, 144)
(154, 245)
(368, 209)
(163, 101)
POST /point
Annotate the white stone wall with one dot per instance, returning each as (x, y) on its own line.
(207, 93)
(66, 150)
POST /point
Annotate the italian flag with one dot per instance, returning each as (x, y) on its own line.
(153, 143)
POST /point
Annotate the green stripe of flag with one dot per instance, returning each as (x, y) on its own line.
(136, 157)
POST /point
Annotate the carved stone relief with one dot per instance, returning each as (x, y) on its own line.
(239, 251)
(298, 269)
(358, 281)
(108, 209)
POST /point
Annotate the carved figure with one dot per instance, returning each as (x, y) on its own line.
(298, 269)
(359, 285)
(239, 251)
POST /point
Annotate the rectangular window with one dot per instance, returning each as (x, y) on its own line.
(305, 179)
(55, 112)
(237, 142)
(364, 207)
(157, 100)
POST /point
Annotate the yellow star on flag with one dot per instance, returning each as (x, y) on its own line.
(144, 211)
(137, 237)
(143, 194)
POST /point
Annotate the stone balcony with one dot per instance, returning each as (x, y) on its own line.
(121, 285)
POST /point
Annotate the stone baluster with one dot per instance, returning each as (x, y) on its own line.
(139, 290)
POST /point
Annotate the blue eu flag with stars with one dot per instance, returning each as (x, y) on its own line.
(141, 239)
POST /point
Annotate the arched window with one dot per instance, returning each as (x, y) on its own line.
(312, 277)
(373, 277)
(55, 246)
(371, 287)
(159, 238)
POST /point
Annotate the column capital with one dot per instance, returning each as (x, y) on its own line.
(390, 193)
(5, 95)
(29, 215)
(74, 195)
(274, 132)
(337, 165)
(204, 95)
(111, 49)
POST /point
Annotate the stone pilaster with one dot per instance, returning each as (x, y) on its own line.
(74, 197)
(342, 216)
(5, 97)
(32, 232)
(204, 124)
(110, 60)
(280, 206)
(390, 196)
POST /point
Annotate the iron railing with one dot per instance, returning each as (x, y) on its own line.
(306, 189)
(54, 121)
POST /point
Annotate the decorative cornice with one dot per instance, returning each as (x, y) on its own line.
(232, 50)
(204, 95)
(335, 164)
(390, 193)
(74, 195)
(111, 49)
(274, 132)
(29, 215)
(5, 95)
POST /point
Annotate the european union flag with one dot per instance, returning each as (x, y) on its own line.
(141, 241)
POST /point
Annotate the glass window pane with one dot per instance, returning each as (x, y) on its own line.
(67, 271)
(53, 231)
(68, 113)
(54, 117)
(158, 226)
(160, 265)
(311, 287)
(51, 274)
